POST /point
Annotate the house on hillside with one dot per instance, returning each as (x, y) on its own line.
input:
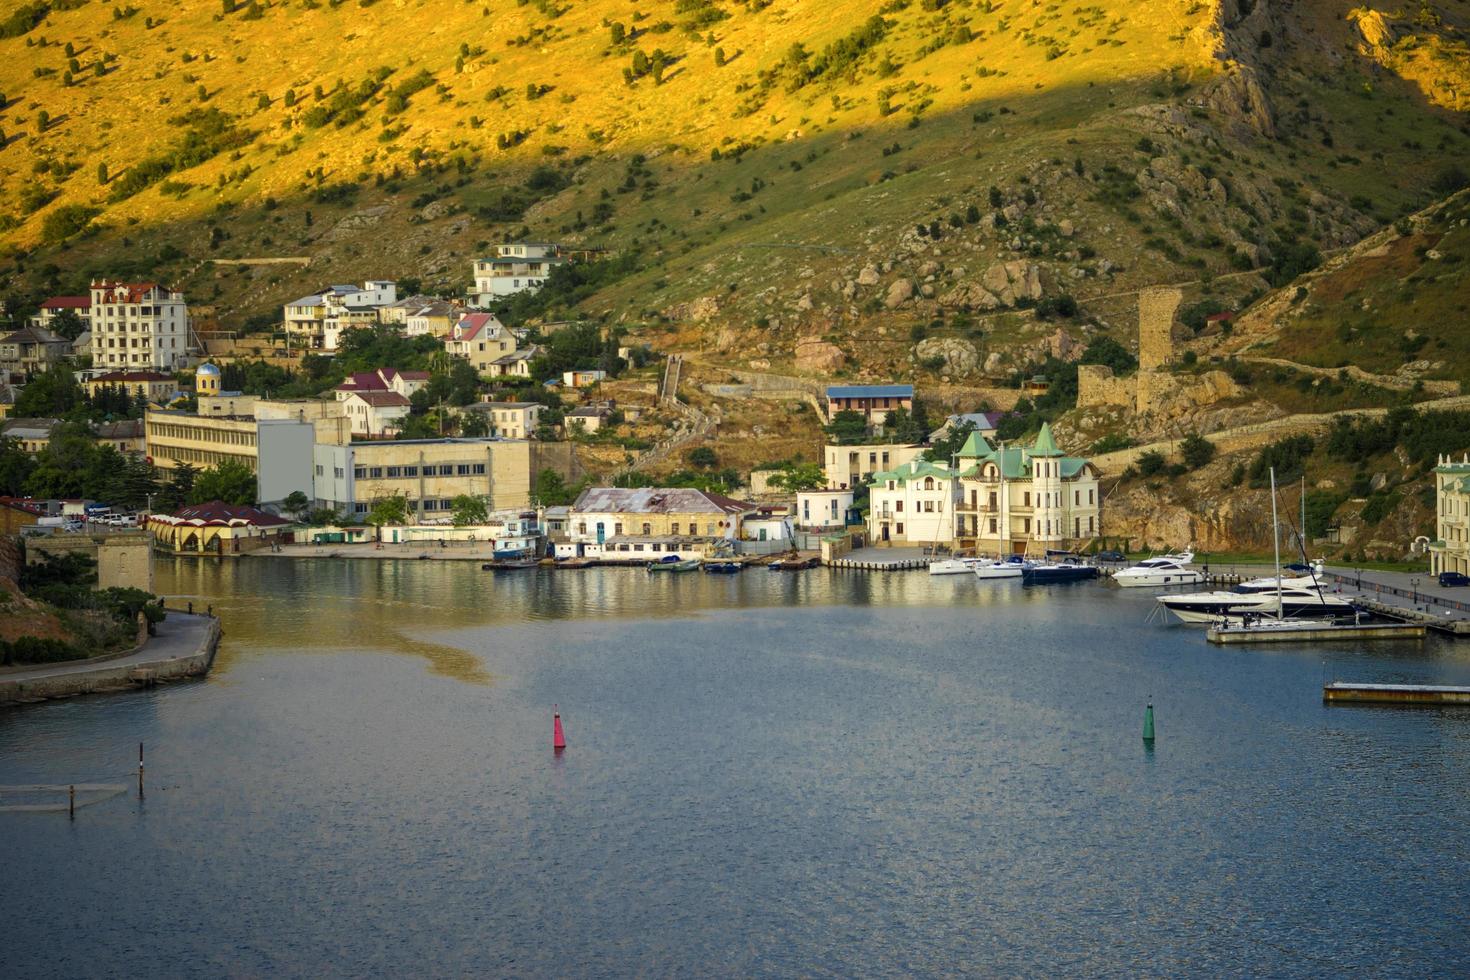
(481, 339)
(984, 423)
(31, 350)
(849, 467)
(583, 378)
(516, 365)
(152, 385)
(33, 435)
(79, 306)
(317, 321)
(139, 326)
(873, 402)
(404, 383)
(515, 267)
(375, 413)
(588, 418)
(433, 319)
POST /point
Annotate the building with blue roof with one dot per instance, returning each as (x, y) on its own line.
(873, 402)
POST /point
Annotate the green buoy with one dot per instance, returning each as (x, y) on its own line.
(1148, 722)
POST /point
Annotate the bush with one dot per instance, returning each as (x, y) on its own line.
(1151, 463)
(66, 221)
(37, 650)
(1379, 506)
(1196, 450)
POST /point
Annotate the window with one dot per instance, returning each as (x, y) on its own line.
(1090, 494)
(928, 483)
(581, 527)
(885, 460)
(359, 508)
(337, 472)
(992, 525)
(618, 528)
(647, 529)
(674, 528)
(376, 472)
(479, 469)
(872, 459)
(899, 528)
(319, 471)
(1026, 499)
(709, 529)
(898, 506)
(638, 547)
(463, 469)
(414, 471)
(1025, 525)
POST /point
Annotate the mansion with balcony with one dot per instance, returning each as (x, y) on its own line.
(514, 268)
(1450, 550)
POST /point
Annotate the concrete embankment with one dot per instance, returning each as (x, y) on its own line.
(183, 647)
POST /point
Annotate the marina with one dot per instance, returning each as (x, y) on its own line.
(735, 741)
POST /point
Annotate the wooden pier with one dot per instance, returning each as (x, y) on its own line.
(1315, 632)
(1426, 695)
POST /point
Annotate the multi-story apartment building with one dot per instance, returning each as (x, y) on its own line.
(429, 473)
(912, 504)
(138, 326)
(29, 351)
(873, 402)
(78, 306)
(514, 268)
(850, 467)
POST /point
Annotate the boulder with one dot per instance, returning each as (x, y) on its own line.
(815, 355)
(868, 277)
(899, 293)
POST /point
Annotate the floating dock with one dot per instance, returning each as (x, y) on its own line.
(1316, 632)
(1413, 694)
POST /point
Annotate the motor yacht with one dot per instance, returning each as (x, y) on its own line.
(1171, 569)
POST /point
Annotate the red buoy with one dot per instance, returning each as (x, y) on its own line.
(558, 737)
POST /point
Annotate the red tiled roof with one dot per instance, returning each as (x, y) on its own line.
(382, 399)
(22, 503)
(379, 380)
(68, 303)
(125, 292)
(470, 325)
(391, 373)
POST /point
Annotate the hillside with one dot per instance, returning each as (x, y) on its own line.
(763, 168)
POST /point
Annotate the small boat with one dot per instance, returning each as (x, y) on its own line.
(510, 565)
(573, 563)
(722, 567)
(1160, 571)
(674, 563)
(793, 564)
(1050, 573)
(955, 566)
(1011, 567)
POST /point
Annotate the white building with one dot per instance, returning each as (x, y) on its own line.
(138, 325)
(823, 510)
(912, 504)
(375, 413)
(515, 420)
(404, 383)
(514, 268)
(849, 467)
(317, 321)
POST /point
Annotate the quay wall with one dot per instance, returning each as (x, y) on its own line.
(71, 679)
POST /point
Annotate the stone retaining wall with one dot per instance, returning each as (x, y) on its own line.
(116, 675)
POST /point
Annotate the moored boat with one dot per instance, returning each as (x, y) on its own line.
(1000, 568)
(793, 564)
(1050, 573)
(955, 566)
(722, 567)
(674, 564)
(1163, 570)
(1257, 599)
(510, 565)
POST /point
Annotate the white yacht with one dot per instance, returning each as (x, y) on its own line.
(1011, 567)
(955, 566)
(1261, 597)
(1162, 570)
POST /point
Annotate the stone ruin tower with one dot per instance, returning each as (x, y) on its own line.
(1156, 308)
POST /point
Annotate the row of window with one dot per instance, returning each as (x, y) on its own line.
(173, 342)
(199, 433)
(647, 529)
(412, 472)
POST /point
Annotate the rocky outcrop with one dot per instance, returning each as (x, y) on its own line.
(899, 293)
(960, 356)
(697, 310)
(818, 356)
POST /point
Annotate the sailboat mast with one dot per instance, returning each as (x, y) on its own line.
(1276, 542)
(1005, 519)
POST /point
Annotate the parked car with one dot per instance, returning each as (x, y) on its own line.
(1111, 556)
(1448, 579)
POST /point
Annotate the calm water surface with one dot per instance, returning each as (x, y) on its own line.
(819, 773)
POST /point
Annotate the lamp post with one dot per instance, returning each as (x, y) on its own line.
(1414, 583)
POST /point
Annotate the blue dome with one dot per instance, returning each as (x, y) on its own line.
(207, 370)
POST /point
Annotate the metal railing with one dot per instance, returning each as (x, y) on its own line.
(1414, 595)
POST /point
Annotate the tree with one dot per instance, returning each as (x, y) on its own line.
(16, 466)
(392, 509)
(179, 489)
(52, 394)
(67, 324)
(1196, 450)
(847, 427)
(228, 480)
(798, 477)
(551, 490)
(704, 457)
(469, 510)
(296, 503)
(944, 449)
